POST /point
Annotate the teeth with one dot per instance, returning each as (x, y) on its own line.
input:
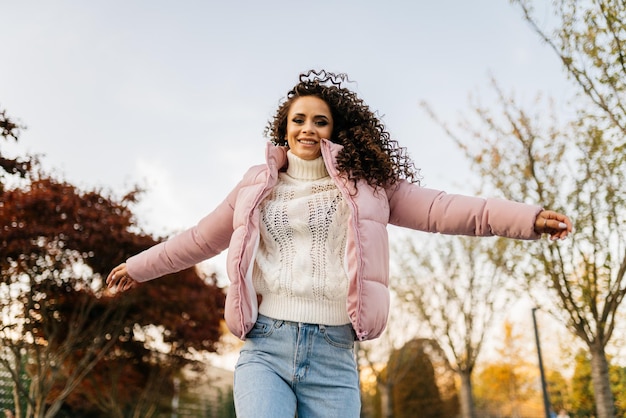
(303, 141)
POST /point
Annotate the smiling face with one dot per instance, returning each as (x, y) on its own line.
(308, 121)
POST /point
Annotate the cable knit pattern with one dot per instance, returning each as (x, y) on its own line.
(299, 269)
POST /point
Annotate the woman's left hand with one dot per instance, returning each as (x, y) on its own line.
(556, 224)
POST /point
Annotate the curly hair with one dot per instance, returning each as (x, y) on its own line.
(368, 151)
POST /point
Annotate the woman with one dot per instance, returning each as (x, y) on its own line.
(308, 255)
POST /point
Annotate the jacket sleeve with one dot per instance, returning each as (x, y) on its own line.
(429, 210)
(205, 240)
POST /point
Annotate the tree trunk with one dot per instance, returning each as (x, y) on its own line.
(53, 410)
(386, 406)
(605, 405)
(16, 401)
(467, 400)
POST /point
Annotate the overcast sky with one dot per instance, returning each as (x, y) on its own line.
(174, 96)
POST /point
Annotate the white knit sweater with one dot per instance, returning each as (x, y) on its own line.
(299, 267)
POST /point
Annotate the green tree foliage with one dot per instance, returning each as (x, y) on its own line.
(558, 390)
(582, 388)
(415, 392)
(226, 405)
(582, 399)
(81, 344)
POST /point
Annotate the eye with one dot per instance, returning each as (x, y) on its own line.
(321, 122)
(297, 120)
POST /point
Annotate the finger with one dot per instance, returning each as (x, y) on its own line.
(127, 283)
(120, 280)
(118, 284)
(553, 224)
(561, 234)
(114, 277)
(116, 274)
(111, 278)
(568, 222)
(564, 226)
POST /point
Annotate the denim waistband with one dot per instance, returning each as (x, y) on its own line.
(279, 322)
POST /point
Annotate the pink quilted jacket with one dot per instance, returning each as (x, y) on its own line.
(234, 224)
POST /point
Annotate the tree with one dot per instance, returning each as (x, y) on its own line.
(60, 321)
(416, 391)
(506, 385)
(16, 166)
(618, 385)
(50, 232)
(383, 382)
(456, 289)
(590, 40)
(136, 379)
(582, 390)
(585, 274)
(577, 167)
(582, 398)
(558, 390)
(377, 380)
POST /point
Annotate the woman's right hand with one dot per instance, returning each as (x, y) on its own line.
(119, 279)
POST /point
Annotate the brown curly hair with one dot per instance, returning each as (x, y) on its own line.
(368, 151)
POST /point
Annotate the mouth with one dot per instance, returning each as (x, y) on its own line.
(307, 142)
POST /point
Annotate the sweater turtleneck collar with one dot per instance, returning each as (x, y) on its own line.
(305, 169)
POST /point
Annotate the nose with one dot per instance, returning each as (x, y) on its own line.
(308, 127)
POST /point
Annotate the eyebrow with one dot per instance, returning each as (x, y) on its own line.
(315, 116)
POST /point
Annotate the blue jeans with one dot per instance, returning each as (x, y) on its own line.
(286, 367)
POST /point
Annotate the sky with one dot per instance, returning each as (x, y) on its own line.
(175, 96)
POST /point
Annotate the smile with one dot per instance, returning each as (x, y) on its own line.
(307, 141)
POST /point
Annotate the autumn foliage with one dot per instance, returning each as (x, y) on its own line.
(84, 348)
